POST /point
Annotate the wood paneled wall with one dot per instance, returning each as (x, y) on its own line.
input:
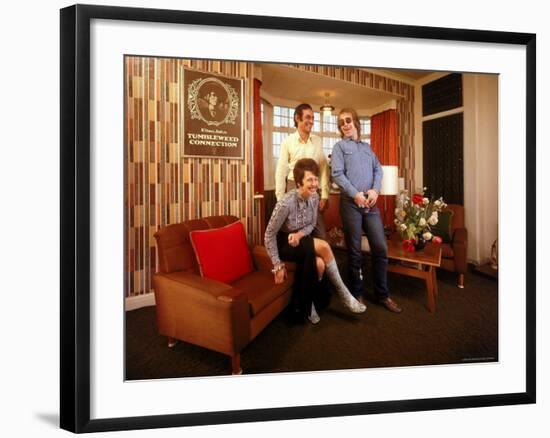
(163, 187)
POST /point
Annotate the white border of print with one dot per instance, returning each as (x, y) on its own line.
(112, 397)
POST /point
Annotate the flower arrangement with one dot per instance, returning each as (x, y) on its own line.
(414, 218)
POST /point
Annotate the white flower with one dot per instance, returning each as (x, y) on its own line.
(427, 235)
(437, 203)
(403, 227)
(433, 219)
(396, 221)
(425, 201)
(422, 222)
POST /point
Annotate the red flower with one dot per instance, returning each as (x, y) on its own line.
(437, 240)
(417, 198)
(408, 245)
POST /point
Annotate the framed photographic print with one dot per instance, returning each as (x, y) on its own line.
(213, 119)
(177, 138)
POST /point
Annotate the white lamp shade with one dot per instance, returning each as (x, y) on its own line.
(390, 180)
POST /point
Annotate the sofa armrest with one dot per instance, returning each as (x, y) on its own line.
(203, 312)
(232, 295)
(460, 235)
(262, 261)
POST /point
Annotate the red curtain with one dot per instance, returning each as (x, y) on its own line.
(258, 154)
(383, 135)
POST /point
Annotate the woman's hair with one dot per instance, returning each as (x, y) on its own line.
(355, 118)
(301, 167)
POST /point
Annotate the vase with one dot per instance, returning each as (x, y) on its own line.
(420, 243)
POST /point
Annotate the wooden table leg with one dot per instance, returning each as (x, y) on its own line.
(236, 364)
(430, 289)
(426, 273)
(436, 288)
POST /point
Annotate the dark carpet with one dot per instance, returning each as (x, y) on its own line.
(464, 329)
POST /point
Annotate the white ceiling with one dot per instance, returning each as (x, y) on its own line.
(409, 75)
(288, 83)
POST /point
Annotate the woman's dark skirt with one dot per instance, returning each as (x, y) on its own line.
(307, 288)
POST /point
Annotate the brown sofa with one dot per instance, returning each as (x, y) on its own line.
(453, 255)
(221, 317)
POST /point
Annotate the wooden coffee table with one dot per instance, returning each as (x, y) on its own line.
(419, 264)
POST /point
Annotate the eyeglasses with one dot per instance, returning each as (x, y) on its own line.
(345, 121)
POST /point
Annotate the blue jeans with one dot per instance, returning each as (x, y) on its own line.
(356, 220)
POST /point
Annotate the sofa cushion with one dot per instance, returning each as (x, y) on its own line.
(188, 278)
(443, 226)
(222, 253)
(260, 289)
(175, 252)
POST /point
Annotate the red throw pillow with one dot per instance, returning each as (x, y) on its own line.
(222, 253)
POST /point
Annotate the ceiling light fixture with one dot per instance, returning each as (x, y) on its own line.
(327, 108)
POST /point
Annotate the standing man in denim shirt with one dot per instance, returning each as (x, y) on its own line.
(357, 171)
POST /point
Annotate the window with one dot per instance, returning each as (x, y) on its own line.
(325, 127)
(283, 125)
(365, 128)
(283, 117)
(278, 138)
(278, 123)
(267, 129)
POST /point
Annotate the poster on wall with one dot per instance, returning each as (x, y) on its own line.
(212, 116)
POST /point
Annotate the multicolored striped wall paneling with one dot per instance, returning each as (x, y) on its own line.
(162, 187)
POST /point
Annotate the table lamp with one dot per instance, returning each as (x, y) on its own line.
(390, 186)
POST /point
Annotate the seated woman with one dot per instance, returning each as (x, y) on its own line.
(288, 237)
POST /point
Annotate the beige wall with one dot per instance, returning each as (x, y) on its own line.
(480, 108)
(481, 161)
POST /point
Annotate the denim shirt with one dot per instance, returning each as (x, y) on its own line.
(290, 215)
(355, 167)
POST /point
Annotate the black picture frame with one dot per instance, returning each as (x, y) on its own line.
(76, 211)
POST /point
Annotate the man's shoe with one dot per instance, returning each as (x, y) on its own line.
(391, 305)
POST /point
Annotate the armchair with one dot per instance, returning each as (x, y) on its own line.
(453, 254)
(218, 316)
